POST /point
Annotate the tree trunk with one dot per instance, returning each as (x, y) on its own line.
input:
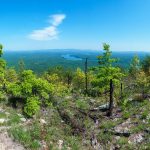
(111, 99)
(121, 92)
(86, 79)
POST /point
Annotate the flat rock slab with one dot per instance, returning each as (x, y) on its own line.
(6, 143)
(124, 127)
(2, 120)
(136, 138)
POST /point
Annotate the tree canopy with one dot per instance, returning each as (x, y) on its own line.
(106, 70)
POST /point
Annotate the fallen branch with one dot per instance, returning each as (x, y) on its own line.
(125, 134)
(71, 121)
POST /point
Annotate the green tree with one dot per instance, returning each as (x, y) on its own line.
(52, 78)
(143, 83)
(106, 70)
(59, 70)
(106, 60)
(2, 67)
(28, 87)
(11, 75)
(79, 79)
(146, 65)
(68, 77)
(2, 71)
(21, 66)
(134, 66)
(14, 90)
(1, 50)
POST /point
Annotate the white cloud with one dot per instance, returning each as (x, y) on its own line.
(47, 33)
(57, 19)
(50, 32)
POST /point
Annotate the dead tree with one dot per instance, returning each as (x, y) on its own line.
(69, 78)
(72, 121)
(110, 109)
(86, 78)
(121, 91)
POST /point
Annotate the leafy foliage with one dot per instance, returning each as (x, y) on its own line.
(146, 65)
(106, 70)
(62, 110)
(32, 106)
(21, 66)
(143, 82)
(79, 79)
(1, 50)
(36, 91)
(134, 66)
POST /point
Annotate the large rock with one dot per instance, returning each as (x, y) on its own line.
(42, 121)
(6, 143)
(136, 138)
(102, 107)
(2, 120)
(124, 128)
(23, 119)
(105, 106)
(7, 113)
(60, 144)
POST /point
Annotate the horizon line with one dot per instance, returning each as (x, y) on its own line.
(96, 50)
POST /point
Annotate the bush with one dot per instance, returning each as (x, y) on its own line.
(24, 137)
(32, 106)
(81, 104)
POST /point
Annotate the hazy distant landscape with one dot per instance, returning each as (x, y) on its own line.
(75, 75)
(41, 60)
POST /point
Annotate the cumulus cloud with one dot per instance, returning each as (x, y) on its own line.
(50, 32)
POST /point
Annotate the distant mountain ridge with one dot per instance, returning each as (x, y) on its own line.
(40, 60)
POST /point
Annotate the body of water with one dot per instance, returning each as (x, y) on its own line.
(71, 57)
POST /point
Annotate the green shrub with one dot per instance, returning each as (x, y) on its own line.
(72, 142)
(122, 141)
(13, 119)
(108, 124)
(32, 106)
(104, 137)
(2, 96)
(124, 103)
(36, 130)
(82, 104)
(140, 127)
(126, 115)
(24, 137)
(145, 114)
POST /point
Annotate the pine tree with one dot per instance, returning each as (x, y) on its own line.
(106, 70)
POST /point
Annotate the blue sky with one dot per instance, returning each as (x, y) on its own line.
(79, 24)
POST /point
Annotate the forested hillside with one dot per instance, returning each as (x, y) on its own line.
(41, 60)
(103, 106)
